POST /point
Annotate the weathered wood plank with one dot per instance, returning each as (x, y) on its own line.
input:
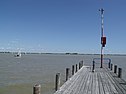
(101, 89)
(90, 84)
(96, 83)
(79, 85)
(67, 87)
(83, 89)
(116, 83)
(102, 81)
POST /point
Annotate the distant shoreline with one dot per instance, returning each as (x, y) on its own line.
(66, 53)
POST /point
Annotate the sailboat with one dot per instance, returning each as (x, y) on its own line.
(17, 55)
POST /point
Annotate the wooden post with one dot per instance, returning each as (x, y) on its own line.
(115, 68)
(82, 63)
(111, 66)
(76, 67)
(37, 89)
(73, 70)
(67, 73)
(120, 72)
(57, 83)
(93, 68)
(79, 65)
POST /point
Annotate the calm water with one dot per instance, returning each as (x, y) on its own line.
(18, 75)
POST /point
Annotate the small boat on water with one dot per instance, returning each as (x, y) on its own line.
(17, 55)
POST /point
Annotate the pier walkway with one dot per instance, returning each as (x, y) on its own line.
(102, 81)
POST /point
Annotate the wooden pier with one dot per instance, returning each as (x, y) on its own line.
(101, 81)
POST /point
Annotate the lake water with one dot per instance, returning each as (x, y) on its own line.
(18, 75)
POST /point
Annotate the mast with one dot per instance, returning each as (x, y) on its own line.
(103, 38)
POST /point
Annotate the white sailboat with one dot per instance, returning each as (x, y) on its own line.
(17, 55)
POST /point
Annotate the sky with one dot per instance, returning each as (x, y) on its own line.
(61, 26)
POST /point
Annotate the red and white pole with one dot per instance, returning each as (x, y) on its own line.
(103, 39)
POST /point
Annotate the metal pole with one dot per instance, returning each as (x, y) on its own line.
(102, 34)
(101, 57)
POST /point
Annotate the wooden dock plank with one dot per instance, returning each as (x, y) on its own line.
(101, 89)
(90, 84)
(85, 83)
(71, 83)
(120, 81)
(102, 81)
(116, 83)
(77, 86)
(80, 85)
(93, 84)
(97, 87)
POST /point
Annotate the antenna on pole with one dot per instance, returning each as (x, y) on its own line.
(103, 38)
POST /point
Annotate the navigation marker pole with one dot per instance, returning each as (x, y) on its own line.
(103, 38)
